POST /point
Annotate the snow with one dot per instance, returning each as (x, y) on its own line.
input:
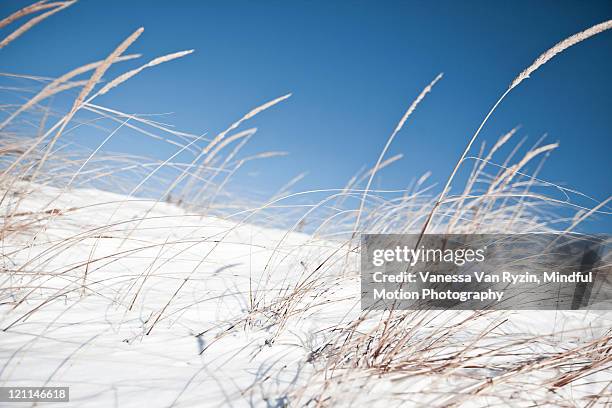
(207, 324)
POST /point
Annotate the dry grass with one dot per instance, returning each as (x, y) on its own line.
(39, 6)
(538, 63)
(453, 357)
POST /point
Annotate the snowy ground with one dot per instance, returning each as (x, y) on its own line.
(89, 339)
(182, 310)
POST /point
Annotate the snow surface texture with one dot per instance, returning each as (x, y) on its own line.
(134, 303)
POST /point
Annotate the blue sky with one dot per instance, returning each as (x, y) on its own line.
(353, 67)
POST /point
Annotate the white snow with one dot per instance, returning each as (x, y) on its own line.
(69, 322)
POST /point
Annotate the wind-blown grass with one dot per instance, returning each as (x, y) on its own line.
(128, 262)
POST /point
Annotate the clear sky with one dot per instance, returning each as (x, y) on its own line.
(353, 68)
